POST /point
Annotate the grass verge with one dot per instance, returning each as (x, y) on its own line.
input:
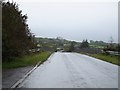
(108, 58)
(27, 60)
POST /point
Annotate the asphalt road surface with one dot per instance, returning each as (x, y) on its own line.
(72, 70)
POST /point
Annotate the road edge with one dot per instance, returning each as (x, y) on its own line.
(27, 74)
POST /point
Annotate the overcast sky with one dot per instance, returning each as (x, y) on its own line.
(72, 19)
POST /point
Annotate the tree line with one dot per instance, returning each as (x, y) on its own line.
(16, 35)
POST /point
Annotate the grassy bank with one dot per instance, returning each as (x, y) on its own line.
(27, 60)
(108, 58)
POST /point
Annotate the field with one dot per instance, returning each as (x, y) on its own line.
(108, 58)
(27, 60)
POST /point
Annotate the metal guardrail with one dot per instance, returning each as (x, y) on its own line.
(113, 52)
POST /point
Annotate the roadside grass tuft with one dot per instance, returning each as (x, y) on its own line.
(27, 60)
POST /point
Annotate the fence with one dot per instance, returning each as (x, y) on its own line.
(113, 52)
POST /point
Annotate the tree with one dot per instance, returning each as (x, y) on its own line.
(71, 49)
(16, 36)
(118, 48)
(84, 44)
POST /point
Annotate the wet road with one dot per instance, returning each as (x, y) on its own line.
(73, 70)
